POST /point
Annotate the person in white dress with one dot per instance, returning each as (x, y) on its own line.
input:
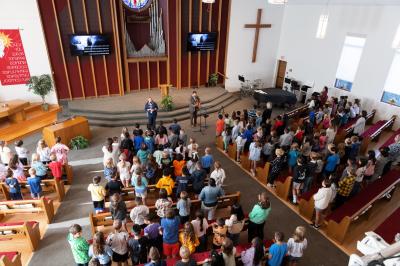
(254, 155)
(123, 168)
(5, 153)
(44, 151)
(110, 150)
(218, 174)
(192, 148)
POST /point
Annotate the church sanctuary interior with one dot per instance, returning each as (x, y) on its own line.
(200, 132)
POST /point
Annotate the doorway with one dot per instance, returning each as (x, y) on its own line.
(280, 76)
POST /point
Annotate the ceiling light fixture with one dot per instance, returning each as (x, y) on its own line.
(277, 2)
(322, 26)
(208, 1)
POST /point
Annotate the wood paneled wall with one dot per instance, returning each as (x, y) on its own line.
(115, 74)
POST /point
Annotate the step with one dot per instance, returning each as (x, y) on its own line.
(161, 115)
(186, 115)
(73, 110)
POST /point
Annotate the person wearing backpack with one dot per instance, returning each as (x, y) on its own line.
(138, 246)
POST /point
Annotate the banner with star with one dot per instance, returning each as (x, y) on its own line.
(14, 69)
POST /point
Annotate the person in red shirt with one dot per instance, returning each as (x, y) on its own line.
(219, 125)
(55, 167)
(299, 134)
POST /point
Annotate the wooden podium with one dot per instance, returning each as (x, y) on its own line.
(67, 130)
(164, 89)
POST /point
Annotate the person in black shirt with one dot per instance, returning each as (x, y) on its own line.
(114, 185)
(138, 246)
(175, 127)
(311, 167)
(126, 146)
(299, 176)
(161, 129)
(198, 177)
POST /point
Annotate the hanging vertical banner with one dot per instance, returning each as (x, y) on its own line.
(13, 66)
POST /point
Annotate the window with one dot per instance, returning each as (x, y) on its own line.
(391, 91)
(348, 63)
(322, 26)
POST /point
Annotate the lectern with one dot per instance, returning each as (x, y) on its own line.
(164, 89)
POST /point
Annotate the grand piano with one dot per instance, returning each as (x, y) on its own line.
(274, 95)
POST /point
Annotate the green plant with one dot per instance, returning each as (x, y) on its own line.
(213, 80)
(41, 85)
(79, 143)
(166, 103)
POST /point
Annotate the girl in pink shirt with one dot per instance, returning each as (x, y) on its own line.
(61, 151)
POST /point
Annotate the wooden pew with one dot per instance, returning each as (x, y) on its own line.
(43, 205)
(232, 151)
(48, 185)
(26, 231)
(391, 139)
(373, 133)
(306, 203)
(263, 172)
(67, 171)
(219, 142)
(244, 161)
(390, 227)
(347, 129)
(296, 113)
(104, 219)
(339, 220)
(283, 185)
(10, 259)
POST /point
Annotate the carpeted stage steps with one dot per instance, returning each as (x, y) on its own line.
(137, 115)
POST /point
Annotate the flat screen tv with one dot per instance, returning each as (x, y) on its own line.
(89, 44)
(202, 41)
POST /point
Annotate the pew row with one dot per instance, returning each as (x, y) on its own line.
(104, 219)
(10, 259)
(391, 140)
(374, 132)
(283, 185)
(48, 185)
(21, 231)
(67, 171)
(306, 203)
(347, 129)
(42, 205)
(390, 227)
(298, 112)
(340, 219)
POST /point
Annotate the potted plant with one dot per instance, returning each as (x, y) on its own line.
(213, 80)
(79, 143)
(167, 104)
(41, 85)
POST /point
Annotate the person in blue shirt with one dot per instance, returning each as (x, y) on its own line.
(151, 109)
(182, 181)
(311, 116)
(331, 161)
(248, 135)
(138, 140)
(34, 184)
(209, 198)
(169, 230)
(207, 160)
(13, 186)
(41, 169)
(149, 141)
(175, 127)
(277, 251)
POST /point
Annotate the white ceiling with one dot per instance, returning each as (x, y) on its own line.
(343, 2)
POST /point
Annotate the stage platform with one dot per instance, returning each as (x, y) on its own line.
(125, 110)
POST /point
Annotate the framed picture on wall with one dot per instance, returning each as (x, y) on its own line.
(343, 84)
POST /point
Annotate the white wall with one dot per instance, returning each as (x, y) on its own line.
(316, 60)
(240, 45)
(24, 14)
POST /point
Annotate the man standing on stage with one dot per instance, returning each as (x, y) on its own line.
(151, 108)
(194, 106)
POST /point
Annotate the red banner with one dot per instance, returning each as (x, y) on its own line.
(13, 66)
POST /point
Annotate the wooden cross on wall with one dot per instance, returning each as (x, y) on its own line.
(257, 26)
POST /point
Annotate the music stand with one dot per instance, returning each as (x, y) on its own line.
(199, 115)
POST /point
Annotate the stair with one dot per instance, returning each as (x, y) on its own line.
(124, 118)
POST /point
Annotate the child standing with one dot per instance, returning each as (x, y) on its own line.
(200, 226)
(99, 250)
(55, 167)
(138, 246)
(254, 155)
(118, 209)
(182, 181)
(219, 125)
(321, 201)
(207, 160)
(34, 184)
(240, 142)
(163, 203)
(183, 207)
(41, 169)
(118, 241)
(296, 245)
(13, 186)
(138, 213)
(254, 255)
(97, 193)
(218, 174)
(140, 185)
(79, 245)
(135, 165)
(22, 152)
(292, 156)
(220, 230)
(276, 167)
(142, 154)
(123, 169)
(151, 231)
(235, 223)
(44, 151)
(193, 148)
(61, 151)
(178, 164)
(226, 137)
(299, 175)
(17, 168)
(277, 251)
(169, 230)
(188, 238)
(345, 187)
(166, 182)
(109, 169)
(114, 186)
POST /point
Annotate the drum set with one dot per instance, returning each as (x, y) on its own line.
(248, 87)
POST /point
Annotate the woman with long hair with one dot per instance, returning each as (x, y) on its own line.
(188, 237)
(254, 255)
(200, 226)
(100, 251)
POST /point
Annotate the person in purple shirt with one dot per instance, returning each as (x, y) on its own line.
(152, 231)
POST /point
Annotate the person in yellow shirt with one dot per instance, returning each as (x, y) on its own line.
(188, 237)
(166, 182)
(98, 194)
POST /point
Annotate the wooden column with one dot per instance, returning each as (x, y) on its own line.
(78, 61)
(169, 49)
(125, 56)
(209, 30)
(189, 52)
(227, 38)
(219, 34)
(113, 12)
(148, 75)
(199, 54)
(104, 57)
